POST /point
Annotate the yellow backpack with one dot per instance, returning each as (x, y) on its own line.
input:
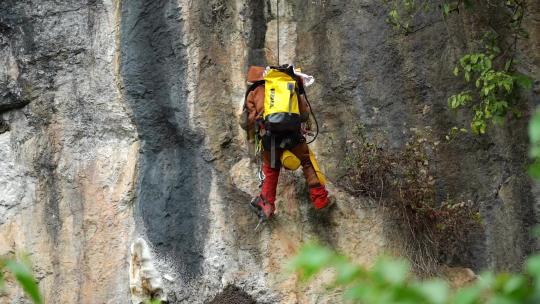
(281, 109)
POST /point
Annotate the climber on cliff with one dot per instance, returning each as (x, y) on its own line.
(277, 110)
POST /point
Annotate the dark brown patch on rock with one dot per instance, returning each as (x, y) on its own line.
(232, 295)
(4, 127)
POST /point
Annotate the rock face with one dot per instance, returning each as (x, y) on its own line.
(119, 122)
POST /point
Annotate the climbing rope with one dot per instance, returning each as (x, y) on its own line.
(277, 16)
(309, 104)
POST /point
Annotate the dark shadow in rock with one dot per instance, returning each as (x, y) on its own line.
(319, 221)
(257, 35)
(322, 225)
(10, 101)
(4, 127)
(174, 180)
(232, 295)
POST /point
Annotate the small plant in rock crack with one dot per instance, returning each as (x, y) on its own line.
(402, 182)
(494, 94)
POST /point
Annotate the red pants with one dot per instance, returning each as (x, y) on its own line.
(317, 191)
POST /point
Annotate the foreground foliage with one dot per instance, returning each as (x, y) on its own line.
(534, 138)
(22, 273)
(389, 281)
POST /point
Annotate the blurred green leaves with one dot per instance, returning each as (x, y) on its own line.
(390, 281)
(534, 139)
(22, 273)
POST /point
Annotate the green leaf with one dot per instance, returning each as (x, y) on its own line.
(392, 271)
(446, 9)
(488, 63)
(514, 283)
(535, 232)
(486, 280)
(523, 81)
(347, 272)
(394, 14)
(456, 71)
(311, 259)
(534, 128)
(533, 265)
(435, 291)
(357, 293)
(507, 65)
(468, 295)
(25, 278)
(507, 86)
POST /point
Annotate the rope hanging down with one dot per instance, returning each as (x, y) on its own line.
(277, 15)
(309, 104)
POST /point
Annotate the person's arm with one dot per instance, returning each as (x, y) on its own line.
(303, 107)
(255, 105)
(252, 113)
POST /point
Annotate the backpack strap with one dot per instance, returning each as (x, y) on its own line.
(272, 151)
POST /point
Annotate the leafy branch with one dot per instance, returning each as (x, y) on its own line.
(494, 94)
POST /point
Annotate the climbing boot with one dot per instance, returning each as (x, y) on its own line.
(263, 208)
(319, 197)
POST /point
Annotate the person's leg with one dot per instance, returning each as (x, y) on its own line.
(265, 202)
(271, 176)
(317, 191)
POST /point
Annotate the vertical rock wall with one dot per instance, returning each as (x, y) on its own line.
(119, 122)
(70, 157)
(369, 73)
